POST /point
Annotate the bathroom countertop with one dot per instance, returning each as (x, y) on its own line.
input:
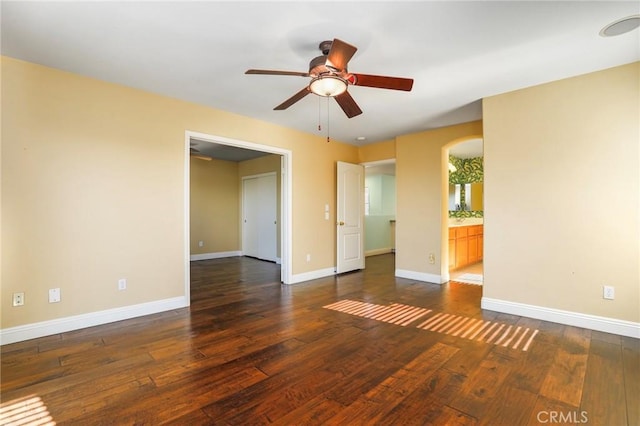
(467, 221)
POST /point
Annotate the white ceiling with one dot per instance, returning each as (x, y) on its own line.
(457, 53)
(468, 149)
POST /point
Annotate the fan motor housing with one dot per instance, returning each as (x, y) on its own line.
(318, 66)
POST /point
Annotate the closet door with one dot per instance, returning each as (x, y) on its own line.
(250, 216)
(267, 220)
(259, 221)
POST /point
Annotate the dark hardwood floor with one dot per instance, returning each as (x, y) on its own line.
(251, 351)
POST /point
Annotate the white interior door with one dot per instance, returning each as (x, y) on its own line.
(267, 218)
(259, 217)
(250, 217)
(350, 217)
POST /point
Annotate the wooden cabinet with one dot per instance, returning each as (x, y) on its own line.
(452, 248)
(465, 245)
(462, 246)
(474, 241)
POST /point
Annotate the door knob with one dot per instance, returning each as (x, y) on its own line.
(341, 223)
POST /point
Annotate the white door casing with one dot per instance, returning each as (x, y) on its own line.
(350, 217)
(286, 190)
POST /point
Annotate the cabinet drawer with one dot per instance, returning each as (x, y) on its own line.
(475, 230)
(462, 232)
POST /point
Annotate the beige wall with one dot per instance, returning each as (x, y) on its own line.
(562, 194)
(215, 201)
(421, 178)
(93, 191)
(384, 150)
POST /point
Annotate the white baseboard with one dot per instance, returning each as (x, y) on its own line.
(376, 252)
(312, 275)
(215, 255)
(76, 322)
(592, 322)
(419, 276)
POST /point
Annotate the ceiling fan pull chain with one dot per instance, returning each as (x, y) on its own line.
(328, 126)
(319, 119)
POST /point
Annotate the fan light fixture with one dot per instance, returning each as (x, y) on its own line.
(328, 85)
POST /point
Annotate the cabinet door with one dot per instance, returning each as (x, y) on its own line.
(462, 252)
(452, 253)
(462, 231)
(480, 246)
(473, 248)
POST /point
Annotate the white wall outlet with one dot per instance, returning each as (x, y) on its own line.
(18, 299)
(122, 284)
(308, 257)
(200, 243)
(432, 258)
(608, 292)
(326, 215)
(54, 295)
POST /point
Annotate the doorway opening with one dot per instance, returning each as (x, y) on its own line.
(463, 210)
(228, 150)
(380, 207)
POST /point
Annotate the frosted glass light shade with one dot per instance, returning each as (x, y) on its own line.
(328, 86)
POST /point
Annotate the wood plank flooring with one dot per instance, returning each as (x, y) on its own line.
(250, 351)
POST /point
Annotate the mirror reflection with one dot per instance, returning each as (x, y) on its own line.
(466, 197)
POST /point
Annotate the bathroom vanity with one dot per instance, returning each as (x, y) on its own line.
(465, 244)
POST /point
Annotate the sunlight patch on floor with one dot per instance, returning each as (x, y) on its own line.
(29, 410)
(515, 337)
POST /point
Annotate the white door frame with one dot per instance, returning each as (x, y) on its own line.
(286, 232)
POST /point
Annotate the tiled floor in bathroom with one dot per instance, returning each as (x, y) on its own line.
(471, 273)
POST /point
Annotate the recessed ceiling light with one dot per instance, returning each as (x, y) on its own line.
(361, 138)
(621, 26)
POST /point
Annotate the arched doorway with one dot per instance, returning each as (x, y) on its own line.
(462, 210)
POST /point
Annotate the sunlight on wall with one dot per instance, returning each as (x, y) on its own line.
(29, 410)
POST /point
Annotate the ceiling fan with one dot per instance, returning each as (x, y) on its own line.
(330, 78)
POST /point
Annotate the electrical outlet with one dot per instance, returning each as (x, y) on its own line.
(200, 243)
(432, 258)
(308, 258)
(122, 284)
(18, 299)
(54, 295)
(608, 292)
